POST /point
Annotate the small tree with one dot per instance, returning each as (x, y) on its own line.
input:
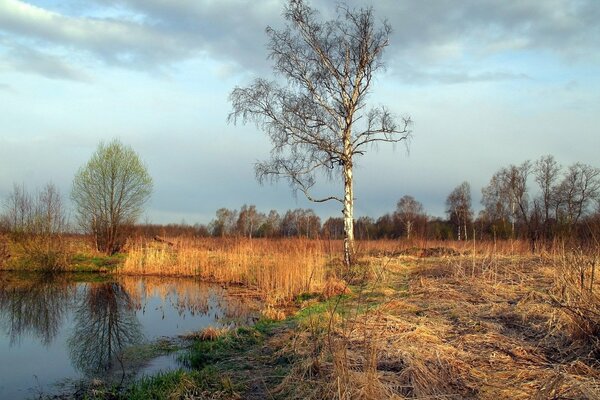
(109, 193)
(408, 211)
(458, 208)
(319, 122)
(576, 194)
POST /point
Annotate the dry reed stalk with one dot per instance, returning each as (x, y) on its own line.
(279, 270)
(207, 334)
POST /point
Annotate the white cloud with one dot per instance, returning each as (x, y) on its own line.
(154, 34)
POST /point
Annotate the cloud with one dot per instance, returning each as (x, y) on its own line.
(412, 75)
(146, 35)
(50, 66)
(156, 34)
(118, 42)
(565, 28)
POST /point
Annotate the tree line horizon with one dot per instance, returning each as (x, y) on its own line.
(534, 200)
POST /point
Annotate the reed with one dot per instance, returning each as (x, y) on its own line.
(277, 269)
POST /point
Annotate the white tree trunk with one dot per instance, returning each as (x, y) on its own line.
(348, 215)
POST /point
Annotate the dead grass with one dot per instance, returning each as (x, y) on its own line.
(334, 287)
(207, 334)
(493, 326)
(278, 269)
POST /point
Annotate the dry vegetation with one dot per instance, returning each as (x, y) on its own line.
(478, 325)
(435, 320)
(279, 270)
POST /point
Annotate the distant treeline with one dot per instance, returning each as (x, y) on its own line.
(534, 200)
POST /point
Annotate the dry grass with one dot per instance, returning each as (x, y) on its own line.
(277, 269)
(334, 287)
(492, 326)
(207, 334)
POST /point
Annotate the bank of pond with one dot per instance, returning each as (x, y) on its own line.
(60, 332)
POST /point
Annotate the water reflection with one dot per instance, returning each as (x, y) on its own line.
(52, 326)
(105, 323)
(190, 298)
(34, 306)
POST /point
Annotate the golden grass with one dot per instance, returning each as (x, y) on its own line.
(493, 326)
(207, 334)
(277, 269)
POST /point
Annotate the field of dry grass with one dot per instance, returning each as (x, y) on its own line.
(479, 325)
(278, 270)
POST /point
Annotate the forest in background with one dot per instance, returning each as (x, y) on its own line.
(535, 201)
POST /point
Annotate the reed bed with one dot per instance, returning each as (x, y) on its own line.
(277, 269)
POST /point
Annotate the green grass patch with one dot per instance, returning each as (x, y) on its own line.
(173, 385)
(87, 263)
(204, 353)
(339, 303)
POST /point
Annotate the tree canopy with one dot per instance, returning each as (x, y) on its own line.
(109, 193)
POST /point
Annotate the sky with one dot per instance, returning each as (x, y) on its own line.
(487, 84)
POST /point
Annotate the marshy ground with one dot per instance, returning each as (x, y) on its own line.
(458, 326)
(434, 321)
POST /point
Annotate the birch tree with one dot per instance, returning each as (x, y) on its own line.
(408, 210)
(315, 111)
(458, 208)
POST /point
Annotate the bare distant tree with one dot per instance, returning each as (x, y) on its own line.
(547, 172)
(506, 196)
(249, 221)
(50, 218)
(576, 193)
(109, 193)
(458, 207)
(41, 214)
(318, 123)
(408, 210)
(18, 209)
(270, 225)
(224, 222)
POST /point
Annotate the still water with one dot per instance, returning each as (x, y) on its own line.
(55, 329)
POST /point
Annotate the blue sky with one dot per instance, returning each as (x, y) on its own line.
(487, 83)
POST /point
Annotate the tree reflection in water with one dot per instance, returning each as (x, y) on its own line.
(228, 307)
(36, 306)
(105, 323)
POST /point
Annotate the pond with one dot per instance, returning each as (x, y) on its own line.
(59, 329)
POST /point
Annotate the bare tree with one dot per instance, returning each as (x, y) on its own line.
(547, 172)
(458, 207)
(109, 193)
(50, 218)
(408, 210)
(224, 222)
(249, 220)
(319, 122)
(18, 208)
(576, 193)
(41, 214)
(506, 196)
